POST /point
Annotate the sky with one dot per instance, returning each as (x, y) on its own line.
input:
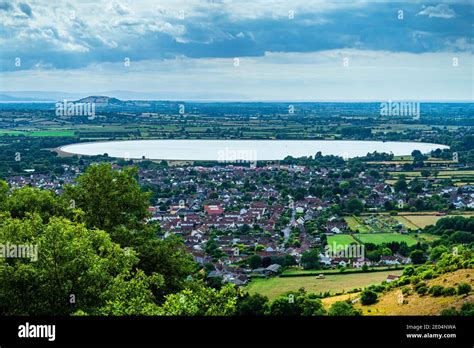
(255, 50)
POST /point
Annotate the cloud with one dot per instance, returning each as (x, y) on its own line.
(5, 6)
(199, 39)
(26, 9)
(374, 75)
(438, 11)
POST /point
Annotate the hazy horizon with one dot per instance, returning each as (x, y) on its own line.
(241, 51)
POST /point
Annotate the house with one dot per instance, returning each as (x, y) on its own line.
(260, 271)
(340, 261)
(403, 260)
(326, 260)
(389, 260)
(213, 209)
(275, 268)
(215, 274)
(391, 278)
(359, 263)
(239, 280)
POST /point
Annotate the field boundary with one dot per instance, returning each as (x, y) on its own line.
(311, 274)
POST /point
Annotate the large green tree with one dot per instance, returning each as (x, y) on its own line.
(109, 198)
(75, 269)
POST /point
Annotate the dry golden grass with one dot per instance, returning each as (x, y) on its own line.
(328, 301)
(389, 303)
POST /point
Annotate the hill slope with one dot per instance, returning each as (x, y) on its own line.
(388, 303)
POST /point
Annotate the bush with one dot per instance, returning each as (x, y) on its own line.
(464, 288)
(427, 275)
(422, 290)
(467, 309)
(449, 291)
(368, 297)
(449, 312)
(436, 290)
(418, 285)
(341, 308)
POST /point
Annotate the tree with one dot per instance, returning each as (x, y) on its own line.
(425, 173)
(462, 237)
(400, 185)
(33, 200)
(437, 251)
(255, 304)
(355, 206)
(312, 307)
(199, 300)
(284, 306)
(417, 257)
(75, 270)
(310, 259)
(167, 257)
(342, 308)
(368, 297)
(131, 295)
(3, 192)
(254, 261)
(109, 198)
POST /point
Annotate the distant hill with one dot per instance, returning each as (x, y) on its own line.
(101, 101)
(6, 97)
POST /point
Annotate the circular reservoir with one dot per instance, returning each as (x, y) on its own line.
(242, 150)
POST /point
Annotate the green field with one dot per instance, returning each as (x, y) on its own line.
(274, 287)
(355, 224)
(10, 132)
(341, 239)
(52, 133)
(380, 238)
(42, 133)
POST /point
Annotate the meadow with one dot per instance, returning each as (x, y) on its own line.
(341, 239)
(380, 238)
(273, 287)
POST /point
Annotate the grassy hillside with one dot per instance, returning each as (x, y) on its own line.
(415, 304)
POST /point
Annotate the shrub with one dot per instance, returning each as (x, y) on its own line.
(418, 285)
(449, 291)
(422, 290)
(436, 290)
(368, 297)
(467, 309)
(427, 274)
(449, 312)
(464, 288)
(341, 308)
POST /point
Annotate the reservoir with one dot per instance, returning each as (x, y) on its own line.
(242, 150)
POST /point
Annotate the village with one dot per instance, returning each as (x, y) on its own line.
(241, 222)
